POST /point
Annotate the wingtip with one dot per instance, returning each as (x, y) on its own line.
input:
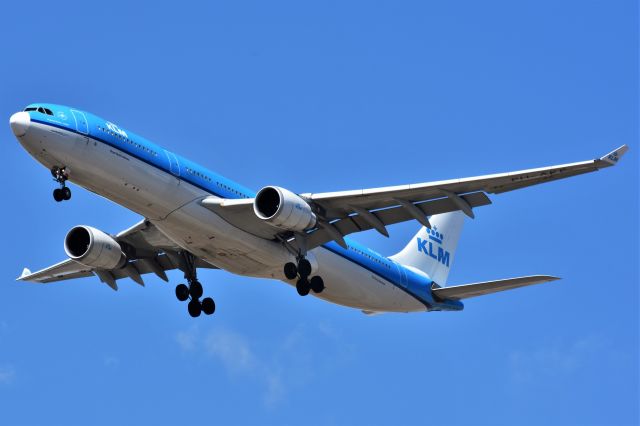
(614, 156)
(546, 278)
(25, 273)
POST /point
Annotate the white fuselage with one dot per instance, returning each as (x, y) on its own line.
(173, 206)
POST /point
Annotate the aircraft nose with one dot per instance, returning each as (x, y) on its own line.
(20, 122)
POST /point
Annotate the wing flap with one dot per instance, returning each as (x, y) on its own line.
(467, 291)
(397, 214)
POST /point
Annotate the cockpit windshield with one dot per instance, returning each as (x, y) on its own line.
(42, 110)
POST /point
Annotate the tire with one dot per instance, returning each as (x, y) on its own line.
(290, 271)
(303, 287)
(195, 308)
(208, 306)
(66, 193)
(182, 292)
(57, 195)
(195, 290)
(317, 284)
(304, 268)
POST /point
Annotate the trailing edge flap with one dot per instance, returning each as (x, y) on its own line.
(479, 289)
(240, 214)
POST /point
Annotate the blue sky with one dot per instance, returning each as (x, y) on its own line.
(327, 96)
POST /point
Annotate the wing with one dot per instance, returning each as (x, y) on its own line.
(147, 250)
(479, 289)
(345, 212)
(337, 203)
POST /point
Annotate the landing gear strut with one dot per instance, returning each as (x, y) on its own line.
(60, 175)
(302, 271)
(193, 290)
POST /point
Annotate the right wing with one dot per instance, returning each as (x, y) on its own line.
(147, 250)
(480, 289)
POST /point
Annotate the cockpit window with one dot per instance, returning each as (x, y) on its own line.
(40, 109)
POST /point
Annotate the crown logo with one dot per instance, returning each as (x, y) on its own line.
(435, 235)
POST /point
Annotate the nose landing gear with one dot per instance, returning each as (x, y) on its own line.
(302, 271)
(60, 175)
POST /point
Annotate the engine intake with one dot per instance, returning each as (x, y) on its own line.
(283, 209)
(92, 247)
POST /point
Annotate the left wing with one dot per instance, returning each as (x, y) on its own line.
(345, 212)
(147, 250)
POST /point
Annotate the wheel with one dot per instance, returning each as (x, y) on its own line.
(208, 305)
(66, 193)
(317, 284)
(57, 195)
(290, 270)
(195, 290)
(304, 268)
(303, 287)
(195, 308)
(182, 292)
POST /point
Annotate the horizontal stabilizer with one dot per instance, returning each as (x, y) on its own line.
(479, 289)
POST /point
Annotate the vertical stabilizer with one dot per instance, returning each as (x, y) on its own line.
(432, 250)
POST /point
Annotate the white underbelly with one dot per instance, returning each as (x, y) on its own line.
(207, 235)
(130, 182)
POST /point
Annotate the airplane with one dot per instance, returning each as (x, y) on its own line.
(194, 218)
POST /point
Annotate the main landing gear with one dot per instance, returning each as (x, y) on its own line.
(193, 290)
(60, 174)
(302, 271)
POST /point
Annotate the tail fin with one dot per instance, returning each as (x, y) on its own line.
(432, 250)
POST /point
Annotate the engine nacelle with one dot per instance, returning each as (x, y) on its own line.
(92, 247)
(283, 209)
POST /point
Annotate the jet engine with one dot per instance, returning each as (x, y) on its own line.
(92, 247)
(283, 209)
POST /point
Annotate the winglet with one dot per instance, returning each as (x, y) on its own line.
(25, 272)
(615, 155)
